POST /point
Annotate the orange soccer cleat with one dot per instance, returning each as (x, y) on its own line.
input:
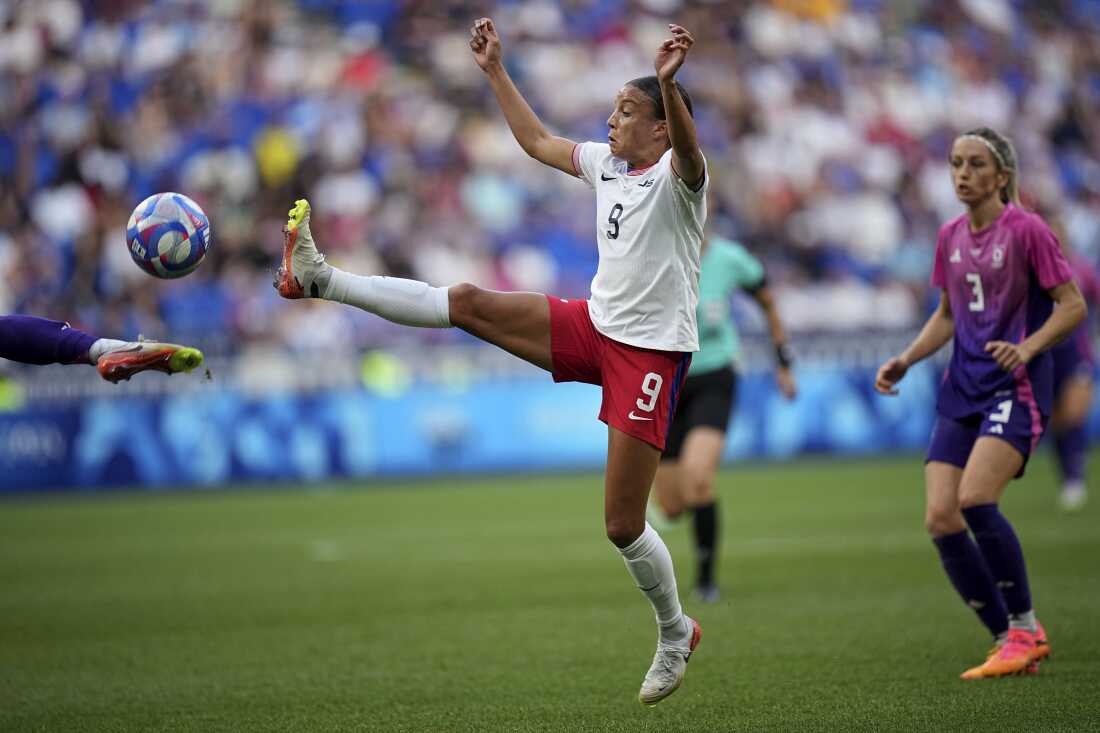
(1042, 649)
(302, 263)
(1015, 656)
(1042, 646)
(142, 356)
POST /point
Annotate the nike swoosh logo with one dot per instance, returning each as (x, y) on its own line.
(605, 178)
(632, 416)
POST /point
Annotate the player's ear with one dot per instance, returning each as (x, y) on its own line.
(660, 131)
(1003, 179)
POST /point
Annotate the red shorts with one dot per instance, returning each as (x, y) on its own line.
(640, 386)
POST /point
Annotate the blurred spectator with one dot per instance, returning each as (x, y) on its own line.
(826, 124)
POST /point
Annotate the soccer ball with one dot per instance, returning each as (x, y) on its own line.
(168, 235)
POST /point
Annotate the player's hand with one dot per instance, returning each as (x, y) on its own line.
(485, 43)
(1007, 354)
(671, 53)
(889, 374)
(786, 382)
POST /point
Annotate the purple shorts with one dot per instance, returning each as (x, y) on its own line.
(1012, 420)
(1069, 362)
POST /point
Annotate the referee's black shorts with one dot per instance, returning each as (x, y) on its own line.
(706, 399)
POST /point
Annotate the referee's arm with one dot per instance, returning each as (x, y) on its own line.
(762, 294)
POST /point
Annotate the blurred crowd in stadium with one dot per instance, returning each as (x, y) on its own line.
(826, 124)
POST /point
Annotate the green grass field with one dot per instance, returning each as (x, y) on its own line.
(496, 604)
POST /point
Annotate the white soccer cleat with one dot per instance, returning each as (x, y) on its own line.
(302, 263)
(669, 666)
(1073, 496)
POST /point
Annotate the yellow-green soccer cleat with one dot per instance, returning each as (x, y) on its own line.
(143, 356)
(301, 264)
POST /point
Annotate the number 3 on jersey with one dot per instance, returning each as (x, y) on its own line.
(975, 280)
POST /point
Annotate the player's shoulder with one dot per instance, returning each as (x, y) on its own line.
(588, 157)
(664, 163)
(665, 171)
(595, 149)
(1023, 221)
(952, 227)
(596, 153)
(728, 248)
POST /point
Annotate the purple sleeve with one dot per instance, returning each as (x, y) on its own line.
(33, 340)
(1044, 254)
(939, 273)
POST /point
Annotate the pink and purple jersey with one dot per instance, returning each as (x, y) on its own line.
(997, 282)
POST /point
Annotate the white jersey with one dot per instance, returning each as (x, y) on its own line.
(649, 229)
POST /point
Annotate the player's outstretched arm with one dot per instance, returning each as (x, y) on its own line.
(936, 332)
(1069, 311)
(528, 130)
(687, 159)
(783, 375)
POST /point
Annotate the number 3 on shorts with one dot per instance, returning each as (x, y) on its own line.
(651, 387)
(1004, 411)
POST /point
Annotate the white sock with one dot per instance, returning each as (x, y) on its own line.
(1023, 621)
(650, 564)
(408, 302)
(104, 346)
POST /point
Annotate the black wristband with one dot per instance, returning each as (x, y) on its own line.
(783, 355)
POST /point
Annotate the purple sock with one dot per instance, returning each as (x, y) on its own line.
(41, 341)
(1071, 445)
(971, 577)
(1001, 550)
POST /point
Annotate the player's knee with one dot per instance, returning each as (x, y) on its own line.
(671, 506)
(1074, 415)
(623, 531)
(699, 488)
(1059, 420)
(1064, 417)
(941, 521)
(968, 499)
(463, 300)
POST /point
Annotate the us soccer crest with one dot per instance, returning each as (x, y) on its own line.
(998, 255)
